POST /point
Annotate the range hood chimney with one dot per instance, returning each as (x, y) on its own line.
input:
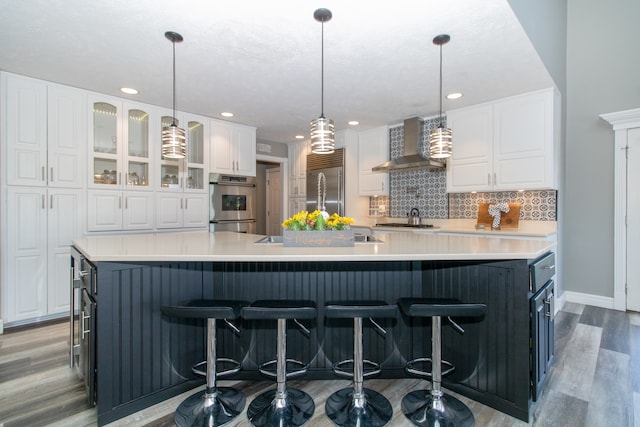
(416, 151)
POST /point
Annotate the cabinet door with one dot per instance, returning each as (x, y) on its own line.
(138, 149)
(138, 213)
(170, 210)
(244, 146)
(221, 148)
(66, 137)
(196, 179)
(26, 254)
(104, 210)
(470, 166)
(373, 149)
(523, 142)
(26, 130)
(105, 142)
(64, 223)
(196, 210)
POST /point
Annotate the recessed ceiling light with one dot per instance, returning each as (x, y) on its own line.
(129, 90)
(299, 136)
(454, 95)
(226, 114)
(354, 122)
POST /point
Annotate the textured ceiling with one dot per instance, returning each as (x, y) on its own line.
(261, 60)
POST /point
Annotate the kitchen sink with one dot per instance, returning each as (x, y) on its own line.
(357, 238)
(270, 239)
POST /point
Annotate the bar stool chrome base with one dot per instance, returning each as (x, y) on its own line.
(373, 409)
(210, 409)
(427, 409)
(293, 409)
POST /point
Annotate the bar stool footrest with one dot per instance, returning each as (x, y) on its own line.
(236, 366)
(410, 368)
(298, 368)
(370, 368)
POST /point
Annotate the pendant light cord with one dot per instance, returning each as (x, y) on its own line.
(441, 86)
(322, 72)
(174, 83)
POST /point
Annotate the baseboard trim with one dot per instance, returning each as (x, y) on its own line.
(588, 299)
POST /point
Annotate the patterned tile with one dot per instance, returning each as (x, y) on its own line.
(427, 191)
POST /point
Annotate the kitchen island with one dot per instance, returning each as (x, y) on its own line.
(144, 357)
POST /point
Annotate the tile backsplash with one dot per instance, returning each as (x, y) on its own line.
(427, 191)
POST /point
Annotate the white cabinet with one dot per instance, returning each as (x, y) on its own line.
(182, 196)
(44, 127)
(109, 210)
(233, 149)
(182, 210)
(120, 195)
(120, 141)
(505, 145)
(298, 170)
(41, 224)
(373, 149)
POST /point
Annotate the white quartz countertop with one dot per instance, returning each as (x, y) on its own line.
(538, 229)
(227, 246)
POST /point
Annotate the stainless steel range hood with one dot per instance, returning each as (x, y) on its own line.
(416, 152)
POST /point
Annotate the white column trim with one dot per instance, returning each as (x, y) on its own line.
(621, 122)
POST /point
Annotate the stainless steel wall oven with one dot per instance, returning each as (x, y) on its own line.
(232, 203)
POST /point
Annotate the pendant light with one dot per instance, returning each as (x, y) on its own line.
(322, 129)
(174, 144)
(440, 138)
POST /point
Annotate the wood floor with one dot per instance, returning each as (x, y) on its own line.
(594, 381)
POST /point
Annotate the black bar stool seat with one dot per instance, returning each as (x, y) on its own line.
(435, 408)
(281, 406)
(216, 406)
(357, 405)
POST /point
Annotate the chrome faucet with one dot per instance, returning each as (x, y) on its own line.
(322, 191)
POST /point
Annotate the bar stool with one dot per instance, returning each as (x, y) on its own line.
(281, 406)
(357, 405)
(436, 408)
(215, 406)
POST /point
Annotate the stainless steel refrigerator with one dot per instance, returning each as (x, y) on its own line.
(326, 172)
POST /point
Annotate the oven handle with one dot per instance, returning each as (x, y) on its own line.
(232, 184)
(232, 221)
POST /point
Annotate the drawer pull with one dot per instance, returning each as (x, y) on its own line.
(549, 267)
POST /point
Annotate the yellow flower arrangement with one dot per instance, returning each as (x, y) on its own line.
(316, 220)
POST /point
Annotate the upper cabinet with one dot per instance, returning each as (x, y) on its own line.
(373, 149)
(233, 149)
(506, 145)
(45, 129)
(298, 170)
(120, 144)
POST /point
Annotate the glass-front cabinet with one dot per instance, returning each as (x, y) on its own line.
(183, 189)
(120, 194)
(121, 145)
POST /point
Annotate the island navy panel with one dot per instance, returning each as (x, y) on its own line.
(146, 357)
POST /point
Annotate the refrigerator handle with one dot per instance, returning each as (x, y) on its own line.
(340, 193)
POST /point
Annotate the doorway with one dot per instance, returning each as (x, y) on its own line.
(633, 219)
(269, 199)
(626, 221)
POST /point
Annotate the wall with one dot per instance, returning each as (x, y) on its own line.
(603, 65)
(427, 191)
(270, 148)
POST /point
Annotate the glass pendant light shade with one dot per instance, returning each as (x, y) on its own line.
(322, 129)
(322, 136)
(440, 138)
(440, 143)
(174, 141)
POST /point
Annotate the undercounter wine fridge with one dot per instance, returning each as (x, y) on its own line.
(83, 322)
